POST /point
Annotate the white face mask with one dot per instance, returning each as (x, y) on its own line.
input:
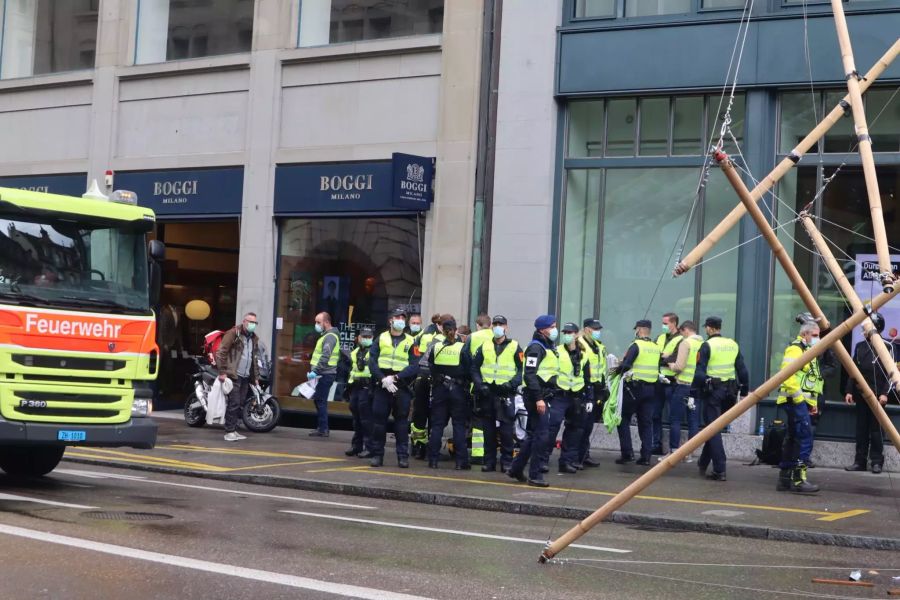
(498, 331)
(813, 341)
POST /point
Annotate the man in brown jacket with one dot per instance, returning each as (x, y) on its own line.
(236, 359)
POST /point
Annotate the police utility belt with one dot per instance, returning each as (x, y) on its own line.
(714, 383)
(448, 381)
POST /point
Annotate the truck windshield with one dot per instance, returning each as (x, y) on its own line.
(58, 263)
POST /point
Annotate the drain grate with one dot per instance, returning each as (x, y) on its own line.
(107, 515)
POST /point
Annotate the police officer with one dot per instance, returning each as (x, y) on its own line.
(422, 390)
(497, 374)
(392, 362)
(481, 335)
(449, 367)
(720, 376)
(323, 365)
(799, 396)
(574, 390)
(668, 342)
(684, 364)
(641, 360)
(595, 351)
(539, 375)
(360, 387)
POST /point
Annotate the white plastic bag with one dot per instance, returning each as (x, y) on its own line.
(217, 401)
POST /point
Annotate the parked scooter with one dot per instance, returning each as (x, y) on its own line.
(260, 410)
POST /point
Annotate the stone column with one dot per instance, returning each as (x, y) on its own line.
(449, 236)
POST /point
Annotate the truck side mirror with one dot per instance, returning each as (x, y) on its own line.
(157, 250)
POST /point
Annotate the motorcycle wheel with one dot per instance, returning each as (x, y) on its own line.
(194, 417)
(261, 419)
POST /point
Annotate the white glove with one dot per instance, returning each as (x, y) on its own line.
(389, 384)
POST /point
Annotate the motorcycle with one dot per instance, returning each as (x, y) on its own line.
(260, 410)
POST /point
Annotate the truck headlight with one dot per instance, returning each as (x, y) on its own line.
(141, 407)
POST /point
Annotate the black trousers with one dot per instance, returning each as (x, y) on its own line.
(361, 409)
(421, 403)
(869, 440)
(236, 403)
(496, 409)
(449, 401)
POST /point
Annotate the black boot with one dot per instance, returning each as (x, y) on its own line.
(376, 461)
(856, 467)
(784, 480)
(799, 484)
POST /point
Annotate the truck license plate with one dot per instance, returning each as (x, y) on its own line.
(71, 436)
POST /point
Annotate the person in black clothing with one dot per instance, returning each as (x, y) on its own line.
(540, 386)
(869, 440)
(359, 388)
(449, 366)
(720, 376)
(639, 395)
(496, 382)
(392, 362)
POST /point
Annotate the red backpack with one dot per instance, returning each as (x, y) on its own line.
(211, 343)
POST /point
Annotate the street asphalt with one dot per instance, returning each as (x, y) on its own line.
(858, 510)
(98, 532)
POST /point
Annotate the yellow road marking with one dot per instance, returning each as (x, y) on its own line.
(287, 464)
(843, 515)
(192, 448)
(825, 516)
(333, 469)
(148, 461)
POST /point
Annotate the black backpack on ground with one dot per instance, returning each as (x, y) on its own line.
(773, 440)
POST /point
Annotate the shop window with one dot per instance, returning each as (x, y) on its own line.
(335, 21)
(47, 36)
(595, 8)
(651, 8)
(586, 128)
(180, 29)
(846, 223)
(356, 269)
(639, 216)
(620, 127)
(687, 126)
(654, 127)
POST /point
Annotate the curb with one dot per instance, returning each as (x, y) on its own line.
(523, 508)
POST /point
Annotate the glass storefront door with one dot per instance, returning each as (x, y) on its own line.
(356, 269)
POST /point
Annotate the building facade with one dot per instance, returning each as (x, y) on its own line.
(269, 137)
(607, 109)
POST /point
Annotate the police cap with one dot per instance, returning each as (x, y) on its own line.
(714, 322)
(570, 328)
(366, 331)
(498, 320)
(643, 323)
(592, 323)
(544, 321)
(399, 312)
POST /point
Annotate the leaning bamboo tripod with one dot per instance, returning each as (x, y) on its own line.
(749, 199)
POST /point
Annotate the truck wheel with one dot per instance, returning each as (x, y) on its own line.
(30, 461)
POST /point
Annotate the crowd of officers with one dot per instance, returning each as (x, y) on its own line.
(426, 378)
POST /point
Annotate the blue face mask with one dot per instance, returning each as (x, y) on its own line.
(813, 341)
(251, 327)
(399, 324)
(319, 328)
(553, 334)
(415, 328)
(595, 335)
(568, 338)
(498, 331)
(365, 342)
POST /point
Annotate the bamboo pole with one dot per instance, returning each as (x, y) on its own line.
(875, 339)
(769, 181)
(865, 145)
(712, 429)
(812, 306)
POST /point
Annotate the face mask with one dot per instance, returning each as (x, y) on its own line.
(415, 328)
(319, 328)
(813, 341)
(595, 335)
(568, 338)
(399, 324)
(665, 329)
(498, 332)
(365, 342)
(251, 327)
(553, 334)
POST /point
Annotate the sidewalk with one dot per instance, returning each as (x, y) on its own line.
(853, 509)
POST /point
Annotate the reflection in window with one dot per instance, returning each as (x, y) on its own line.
(357, 270)
(595, 8)
(650, 8)
(180, 29)
(47, 36)
(579, 272)
(334, 21)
